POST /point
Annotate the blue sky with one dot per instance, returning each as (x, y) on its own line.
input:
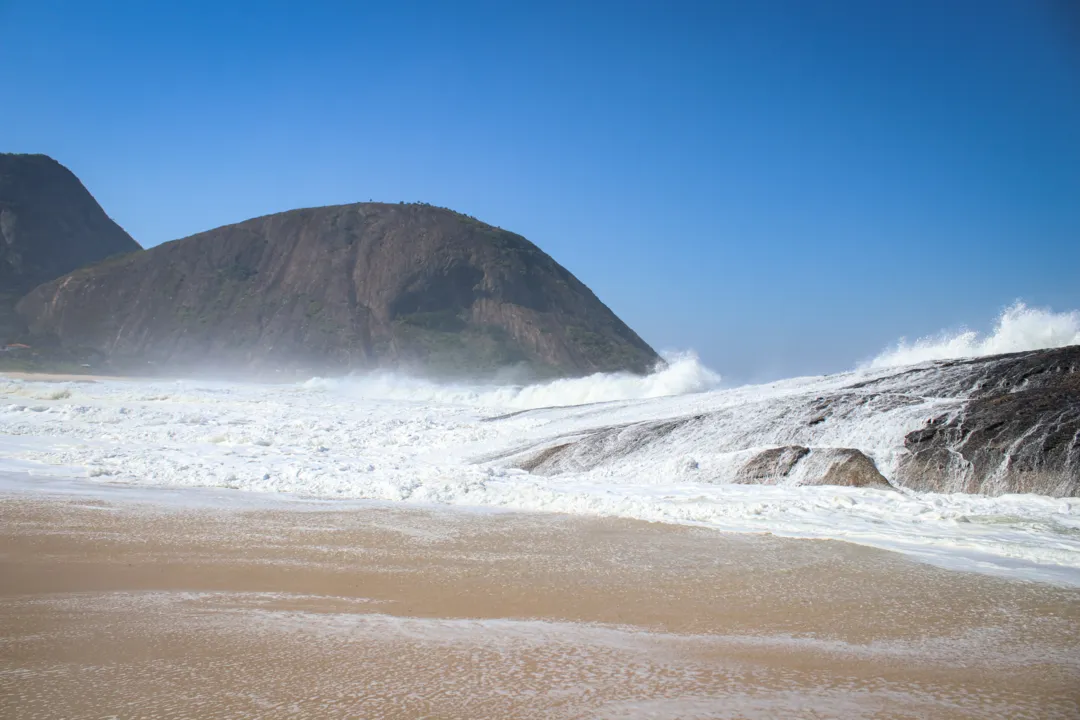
(786, 187)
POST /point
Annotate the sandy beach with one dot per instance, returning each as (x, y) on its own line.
(127, 609)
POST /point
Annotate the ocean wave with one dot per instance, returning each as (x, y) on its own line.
(432, 445)
(1018, 328)
(682, 373)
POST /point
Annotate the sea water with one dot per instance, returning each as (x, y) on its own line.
(393, 438)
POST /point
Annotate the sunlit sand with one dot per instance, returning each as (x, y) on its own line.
(129, 609)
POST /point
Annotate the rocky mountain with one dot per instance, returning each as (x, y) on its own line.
(991, 425)
(337, 288)
(49, 225)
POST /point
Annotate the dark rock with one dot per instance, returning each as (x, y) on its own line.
(539, 461)
(49, 226)
(336, 288)
(1019, 432)
(991, 425)
(771, 466)
(582, 453)
(846, 467)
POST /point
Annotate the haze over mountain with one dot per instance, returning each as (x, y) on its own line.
(337, 288)
(49, 225)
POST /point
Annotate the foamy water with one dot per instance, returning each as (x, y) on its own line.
(393, 438)
(1018, 328)
(681, 373)
(414, 442)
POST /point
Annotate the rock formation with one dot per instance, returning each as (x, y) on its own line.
(336, 288)
(1019, 432)
(990, 425)
(798, 465)
(49, 226)
(771, 466)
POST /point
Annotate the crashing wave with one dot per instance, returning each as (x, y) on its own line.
(683, 373)
(1018, 328)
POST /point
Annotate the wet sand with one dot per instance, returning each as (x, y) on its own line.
(122, 609)
(54, 377)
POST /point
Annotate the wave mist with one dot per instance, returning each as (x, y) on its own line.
(1018, 328)
(682, 373)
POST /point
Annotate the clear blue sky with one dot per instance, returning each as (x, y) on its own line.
(785, 186)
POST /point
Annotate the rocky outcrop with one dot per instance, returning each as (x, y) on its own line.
(788, 465)
(1018, 433)
(798, 465)
(594, 448)
(49, 225)
(845, 467)
(992, 425)
(337, 288)
(771, 466)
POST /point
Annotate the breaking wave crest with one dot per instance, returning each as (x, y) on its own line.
(1018, 328)
(683, 373)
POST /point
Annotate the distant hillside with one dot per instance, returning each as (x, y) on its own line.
(49, 226)
(335, 288)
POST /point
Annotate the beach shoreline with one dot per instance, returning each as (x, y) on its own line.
(404, 612)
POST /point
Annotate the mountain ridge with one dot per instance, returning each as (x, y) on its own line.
(50, 225)
(340, 287)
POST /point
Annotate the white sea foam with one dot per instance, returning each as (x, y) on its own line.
(1018, 328)
(416, 442)
(391, 437)
(681, 373)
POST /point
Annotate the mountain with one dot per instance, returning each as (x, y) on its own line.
(989, 425)
(49, 225)
(336, 288)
